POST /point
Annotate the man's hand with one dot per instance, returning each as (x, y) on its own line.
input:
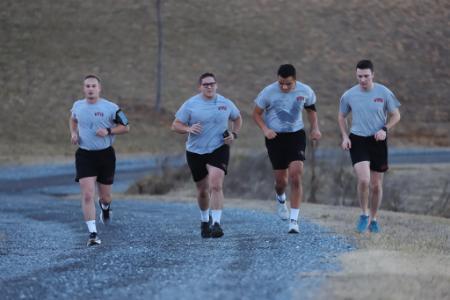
(346, 143)
(195, 129)
(270, 134)
(229, 139)
(102, 132)
(74, 138)
(315, 135)
(380, 135)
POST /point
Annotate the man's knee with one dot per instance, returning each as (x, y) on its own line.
(295, 180)
(376, 187)
(88, 196)
(216, 186)
(363, 183)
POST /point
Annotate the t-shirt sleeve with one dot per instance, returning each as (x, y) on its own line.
(183, 114)
(344, 107)
(261, 100)
(73, 112)
(311, 98)
(114, 109)
(235, 113)
(392, 102)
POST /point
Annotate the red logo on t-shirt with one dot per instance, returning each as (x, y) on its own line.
(379, 100)
(300, 98)
(223, 107)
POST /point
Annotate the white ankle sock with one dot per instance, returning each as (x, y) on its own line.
(204, 215)
(91, 226)
(294, 213)
(281, 198)
(216, 214)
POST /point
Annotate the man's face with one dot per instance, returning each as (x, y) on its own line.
(365, 78)
(208, 87)
(91, 88)
(286, 84)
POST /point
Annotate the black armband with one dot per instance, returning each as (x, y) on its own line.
(121, 118)
(311, 107)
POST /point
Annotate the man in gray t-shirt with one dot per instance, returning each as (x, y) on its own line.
(205, 118)
(374, 110)
(93, 123)
(278, 112)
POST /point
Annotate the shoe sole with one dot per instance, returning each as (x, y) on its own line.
(294, 231)
(217, 235)
(93, 243)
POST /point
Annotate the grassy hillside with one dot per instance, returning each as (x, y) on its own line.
(48, 46)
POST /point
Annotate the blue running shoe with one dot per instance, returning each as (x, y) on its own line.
(362, 223)
(373, 227)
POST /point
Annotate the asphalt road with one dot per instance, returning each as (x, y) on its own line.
(152, 250)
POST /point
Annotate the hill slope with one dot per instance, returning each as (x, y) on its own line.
(48, 46)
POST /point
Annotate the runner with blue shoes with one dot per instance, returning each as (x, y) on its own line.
(374, 111)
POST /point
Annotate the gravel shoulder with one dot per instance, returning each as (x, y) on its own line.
(409, 259)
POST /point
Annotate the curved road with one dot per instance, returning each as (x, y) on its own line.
(151, 250)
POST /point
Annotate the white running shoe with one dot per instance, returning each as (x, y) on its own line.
(293, 227)
(282, 210)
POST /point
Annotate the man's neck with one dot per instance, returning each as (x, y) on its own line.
(368, 89)
(92, 100)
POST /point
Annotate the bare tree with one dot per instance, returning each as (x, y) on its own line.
(159, 26)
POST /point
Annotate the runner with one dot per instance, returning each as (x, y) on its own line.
(369, 104)
(282, 103)
(94, 123)
(205, 117)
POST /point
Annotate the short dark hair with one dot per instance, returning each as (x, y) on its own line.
(286, 70)
(92, 76)
(204, 75)
(365, 64)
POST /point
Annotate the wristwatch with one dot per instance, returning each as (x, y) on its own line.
(384, 128)
(235, 135)
(109, 130)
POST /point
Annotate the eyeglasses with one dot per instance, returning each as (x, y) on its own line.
(209, 84)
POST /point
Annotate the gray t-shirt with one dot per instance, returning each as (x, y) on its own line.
(90, 118)
(213, 115)
(369, 108)
(283, 111)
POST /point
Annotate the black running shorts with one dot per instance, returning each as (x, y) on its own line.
(99, 163)
(285, 148)
(366, 148)
(197, 162)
